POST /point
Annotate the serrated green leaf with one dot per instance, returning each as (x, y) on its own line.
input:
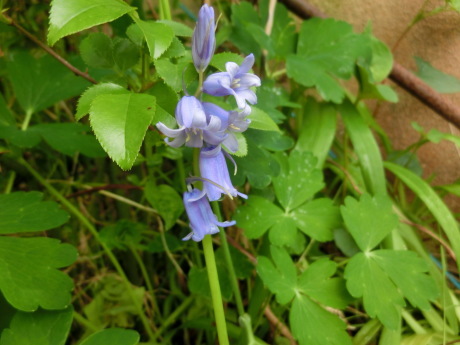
(24, 212)
(97, 50)
(178, 28)
(157, 35)
(172, 74)
(113, 336)
(242, 145)
(166, 201)
(70, 138)
(433, 202)
(257, 208)
(381, 298)
(262, 121)
(317, 219)
(318, 130)
(313, 325)
(175, 50)
(120, 123)
(439, 81)
(70, 16)
(39, 328)
(316, 282)
(299, 181)
(40, 83)
(407, 270)
(369, 220)
(242, 14)
(280, 277)
(125, 53)
(219, 60)
(28, 272)
(84, 103)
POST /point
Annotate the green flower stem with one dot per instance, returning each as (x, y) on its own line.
(95, 234)
(84, 322)
(165, 10)
(215, 290)
(10, 182)
(229, 262)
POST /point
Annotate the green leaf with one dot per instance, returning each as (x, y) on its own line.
(326, 48)
(122, 235)
(172, 74)
(316, 282)
(370, 90)
(157, 35)
(280, 277)
(6, 116)
(261, 120)
(366, 148)
(28, 272)
(125, 53)
(406, 270)
(439, 81)
(26, 212)
(28, 138)
(318, 130)
(313, 325)
(455, 4)
(242, 145)
(436, 136)
(219, 60)
(257, 208)
(40, 83)
(317, 219)
(366, 279)
(433, 202)
(38, 328)
(369, 220)
(382, 60)
(273, 141)
(166, 201)
(176, 49)
(84, 103)
(120, 122)
(198, 282)
(299, 181)
(179, 29)
(97, 50)
(70, 16)
(70, 138)
(113, 336)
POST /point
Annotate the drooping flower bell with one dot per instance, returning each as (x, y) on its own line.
(236, 81)
(213, 167)
(202, 220)
(204, 38)
(195, 125)
(231, 122)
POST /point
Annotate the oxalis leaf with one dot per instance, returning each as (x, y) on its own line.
(310, 322)
(383, 277)
(120, 122)
(39, 328)
(70, 16)
(28, 272)
(113, 336)
(24, 212)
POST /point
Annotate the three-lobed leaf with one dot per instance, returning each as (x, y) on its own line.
(113, 336)
(120, 122)
(71, 16)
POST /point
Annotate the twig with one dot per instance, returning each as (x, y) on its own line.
(273, 319)
(49, 50)
(399, 74)
(97, 189)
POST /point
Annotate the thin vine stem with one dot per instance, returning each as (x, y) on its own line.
(95, 234)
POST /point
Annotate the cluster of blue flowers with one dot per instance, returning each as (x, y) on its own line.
(208, 127)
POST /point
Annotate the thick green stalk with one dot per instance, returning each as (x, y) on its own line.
(165, 10)
(26, 121)
(215, 290)
(95, 234)
(229, 262)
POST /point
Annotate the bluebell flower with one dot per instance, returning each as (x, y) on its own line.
(236, 82)
(231, 121)
(204, 38)
(202, 221)
(214, 168)
(194, 125)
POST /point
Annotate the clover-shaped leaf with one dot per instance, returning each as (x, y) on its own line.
(29, 275)
(24, 212)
